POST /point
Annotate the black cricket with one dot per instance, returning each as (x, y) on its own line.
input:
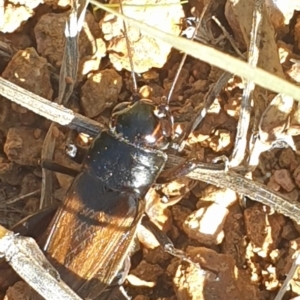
(92, 233)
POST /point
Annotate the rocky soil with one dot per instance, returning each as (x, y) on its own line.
(245, 248)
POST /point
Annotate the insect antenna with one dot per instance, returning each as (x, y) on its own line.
(178, 141)
(183, 59)
(129, 51)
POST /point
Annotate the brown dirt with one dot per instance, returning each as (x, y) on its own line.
(246, 249)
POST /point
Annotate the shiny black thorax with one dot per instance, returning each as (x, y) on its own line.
(127, 157)
(122, 166)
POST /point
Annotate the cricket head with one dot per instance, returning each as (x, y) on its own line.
(143, 123)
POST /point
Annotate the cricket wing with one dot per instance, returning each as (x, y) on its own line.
(91, 235)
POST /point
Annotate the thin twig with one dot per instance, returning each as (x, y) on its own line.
(129, 51)
(229, 38)
(241, 138)
(22, 197)
(209, 98)
(50, 110)
(288, 278)
(219, 175)
(25, 257)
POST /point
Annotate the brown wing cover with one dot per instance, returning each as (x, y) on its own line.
(91, 235)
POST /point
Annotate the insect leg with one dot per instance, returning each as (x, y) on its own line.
(183, 169)
(35, 225)
(56, 167)
(116, 293)
(169, 247)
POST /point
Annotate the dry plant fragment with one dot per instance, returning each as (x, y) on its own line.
(26, 258)
(50, 43)
(241, 138)
(292, 274)
(50, 110)
(240, 21)
(268, 60)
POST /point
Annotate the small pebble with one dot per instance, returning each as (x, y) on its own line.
(284, 178)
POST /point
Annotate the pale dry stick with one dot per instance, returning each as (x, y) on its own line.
(215, 58)
(50, 110)
(25, 257)
(288, 278)
(22, 197)
(229, 38)
(209, 98)
(69, 68)
(241, 138)
(218, 175)
(67, 79)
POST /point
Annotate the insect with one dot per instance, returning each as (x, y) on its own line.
(91, 235)
(104, 204)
